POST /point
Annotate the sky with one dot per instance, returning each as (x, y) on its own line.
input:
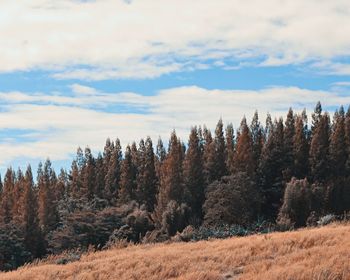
(73, 73)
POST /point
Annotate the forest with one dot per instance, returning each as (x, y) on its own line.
(288, 173)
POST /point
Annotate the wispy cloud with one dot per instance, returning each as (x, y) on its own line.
(108, 39)
(60, 124)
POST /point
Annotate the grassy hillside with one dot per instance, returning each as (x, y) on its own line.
(320, 253)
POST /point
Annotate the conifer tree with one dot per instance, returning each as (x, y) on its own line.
(220, 156)
(289, 133)
(347, 139)
(127, 179)
(61, 185)
(301, 147)
(316, 116)
(33, 239)
(17, 196)
(337, 149)
(88, 175)
(244, 157)
(171, 179)
(193, 176)
(100, 177)
(230, 148)
(319, 148)
(271, 168)
(48, 214)
(112, 178)
(75, 184)
(7, 196)
(209, 156)
(258, 138)
(146, 177)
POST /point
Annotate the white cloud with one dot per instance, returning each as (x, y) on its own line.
(58, 127)
(109, 39)
(80, 89)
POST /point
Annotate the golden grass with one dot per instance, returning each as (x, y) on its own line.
(319, 253)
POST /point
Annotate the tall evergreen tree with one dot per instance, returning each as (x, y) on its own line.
(33, 239)
(230, 148)
(88, 175)
(112, 178)
(193, 176)
(48, 214)
(209, 156)
(127, 178)
(171, 179)
(271, 168)
(337, 150)
(220, 156)
(147, 177)
(244, 156)
(258, 137)
(301, 147)
(319, 148)
(7, 196)
(289, 134)
(17, 195)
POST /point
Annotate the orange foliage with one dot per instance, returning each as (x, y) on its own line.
(318, 253)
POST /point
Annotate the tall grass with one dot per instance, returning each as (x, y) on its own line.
(318, 253)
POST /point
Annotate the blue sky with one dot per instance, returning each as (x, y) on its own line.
(73, 73)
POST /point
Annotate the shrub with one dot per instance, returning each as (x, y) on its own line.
(325, 220)
(297, 204)
(232, 200)
(175, 217)
(12, 249)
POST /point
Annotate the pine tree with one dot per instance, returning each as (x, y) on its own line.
(48, 214)
(337, 149)
(209, 157)
(100, 177)
(347, 139)
(88, 175)
(316, 116)
(271, 168)
(289, 134)
(244, 156)
(61, 185)
(7, 196)
(301, 147)
(220, 148)
(127, 179)
(160, 156)
(29, 217)
(112, 178)
(146, 177)
(75, 184)
(17, 195)
(193, 176)
(171, 179)
(319, 149)
(230, 148)
(258, 137)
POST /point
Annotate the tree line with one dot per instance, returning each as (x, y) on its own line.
(289, 172)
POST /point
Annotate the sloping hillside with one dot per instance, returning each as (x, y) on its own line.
(320, 253)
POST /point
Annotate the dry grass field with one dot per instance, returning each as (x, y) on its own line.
(319, 253)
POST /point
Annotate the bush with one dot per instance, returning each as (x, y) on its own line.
(185, 236)
(137, 224)
(84, 228)
(232, 200)
(12, 249)
(297, 204)
(325, 220)
(175, 218)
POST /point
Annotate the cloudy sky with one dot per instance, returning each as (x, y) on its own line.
(73, 73)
